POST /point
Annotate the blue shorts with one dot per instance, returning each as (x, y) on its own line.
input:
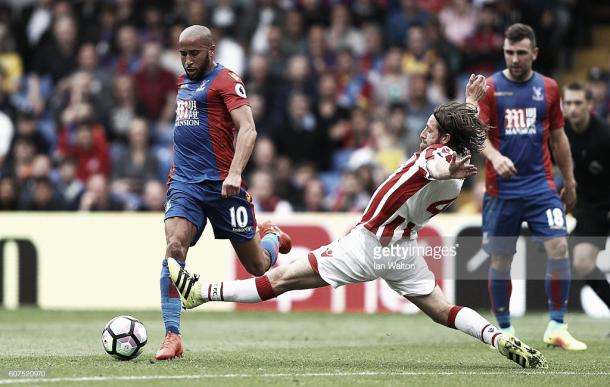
(502, 220)
(231, 217)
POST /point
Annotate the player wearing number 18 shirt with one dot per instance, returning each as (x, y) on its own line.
(522, 108)
(213, 138)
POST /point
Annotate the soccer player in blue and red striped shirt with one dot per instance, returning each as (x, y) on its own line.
(522, 107)
(213, 138)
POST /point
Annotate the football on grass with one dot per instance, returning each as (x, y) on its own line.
(124, 337)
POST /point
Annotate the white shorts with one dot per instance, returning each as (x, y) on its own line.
(360, 257)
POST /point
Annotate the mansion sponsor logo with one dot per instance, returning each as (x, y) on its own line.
(186, 113)
(520, 121)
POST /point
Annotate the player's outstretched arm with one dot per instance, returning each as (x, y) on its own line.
(455, 169)
(246, 136)
(563, 157)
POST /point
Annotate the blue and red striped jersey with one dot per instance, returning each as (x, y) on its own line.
(204, 134)
(521, 116)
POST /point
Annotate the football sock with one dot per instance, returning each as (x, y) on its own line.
(271, 244)
(557, 286)
(170, 300)
(500, 288)
(473, 324)
(248, 291)
(597, 280)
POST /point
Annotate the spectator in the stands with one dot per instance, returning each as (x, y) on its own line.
(9, 193)
(391, 88)
(314, 196)
(85, 141)
(598, 83)
(441, 84)
(127, 59)
(97, 196)
(350, 195)
(155, 86)
(459, 20)
(293, 39)
(264, 198)
(341, 34)
(125, 107)
(69, 187)
(399, 23)
(136, 163)
(56, 57)
(153, 198)
(43, 196)
(419, 108)
(418, 57)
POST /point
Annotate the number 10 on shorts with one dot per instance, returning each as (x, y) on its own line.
(239, 216)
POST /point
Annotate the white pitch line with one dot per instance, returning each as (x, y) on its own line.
(316, 374)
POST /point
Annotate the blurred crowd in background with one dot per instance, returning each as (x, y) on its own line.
(340, 91)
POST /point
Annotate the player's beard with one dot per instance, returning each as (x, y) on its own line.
(519, 74)
(201, 71)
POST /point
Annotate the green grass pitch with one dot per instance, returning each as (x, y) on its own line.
(252, 349)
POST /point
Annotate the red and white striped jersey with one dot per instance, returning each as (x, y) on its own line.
(407, 199)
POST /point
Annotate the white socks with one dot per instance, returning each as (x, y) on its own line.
(473, 324)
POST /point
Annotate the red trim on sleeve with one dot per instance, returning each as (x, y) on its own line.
(546, 156)
(488, 113)
(553, 104)
(553, 120)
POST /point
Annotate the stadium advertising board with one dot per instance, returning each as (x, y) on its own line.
(44, 258)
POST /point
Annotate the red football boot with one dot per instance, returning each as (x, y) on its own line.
(270, 227)
(170, 348)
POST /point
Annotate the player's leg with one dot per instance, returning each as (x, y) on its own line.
(558, 277)
(299, 274)
(258, 255)
(585, 266)
(184, 223)
(589, 238)
(336, 264)
(501, 227)
(466, 320)
(546, 219)
(233, 218)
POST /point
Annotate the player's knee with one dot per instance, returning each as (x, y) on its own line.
(176, 249)
(583, 266)
(557, 248)
(256, 268)
(501, 263)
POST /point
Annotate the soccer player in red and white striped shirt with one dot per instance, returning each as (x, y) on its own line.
(384, 243)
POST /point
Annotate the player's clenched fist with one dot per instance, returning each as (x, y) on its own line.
(504, 166)
(231, 185)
